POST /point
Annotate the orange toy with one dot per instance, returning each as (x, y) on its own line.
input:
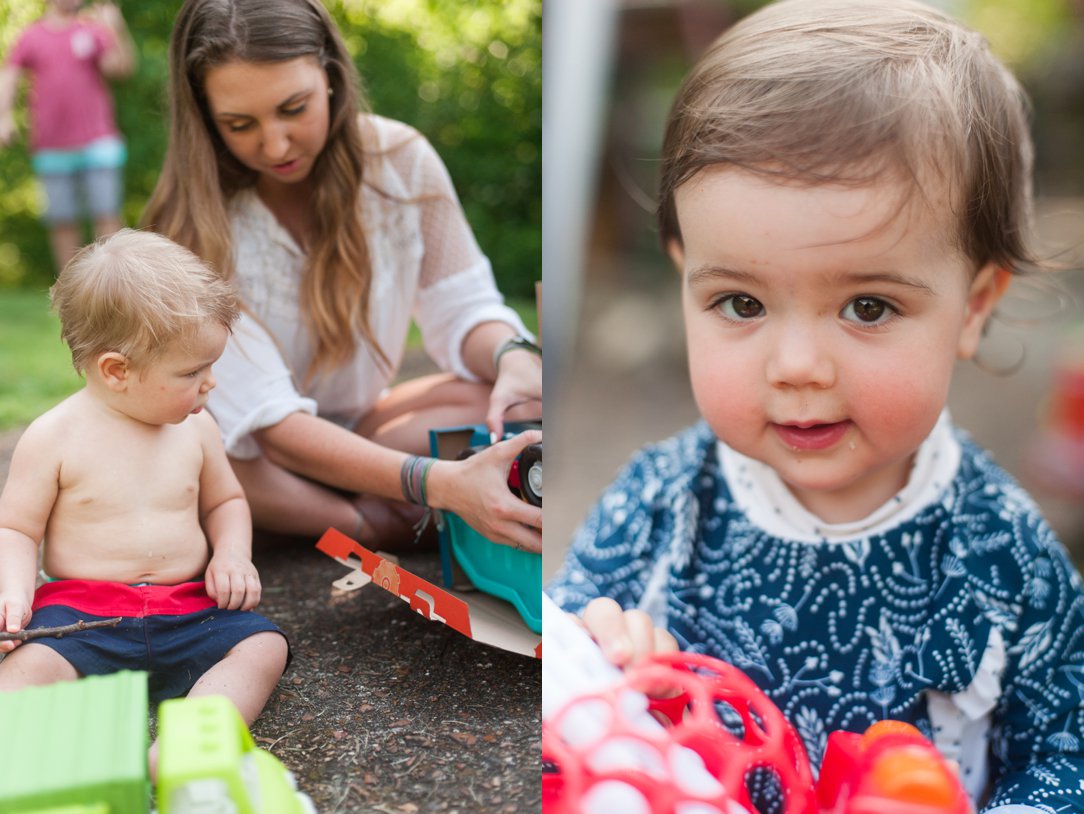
(891, 769)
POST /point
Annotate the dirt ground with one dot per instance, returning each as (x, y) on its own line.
(382, 710)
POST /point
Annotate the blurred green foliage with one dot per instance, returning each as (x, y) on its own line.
(1019, 31)
(35, 365)
(467, 74)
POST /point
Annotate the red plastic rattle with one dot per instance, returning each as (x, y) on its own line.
(717, 712)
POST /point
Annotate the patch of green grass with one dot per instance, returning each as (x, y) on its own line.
(35, 365)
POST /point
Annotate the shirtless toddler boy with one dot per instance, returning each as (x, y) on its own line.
(127, 484)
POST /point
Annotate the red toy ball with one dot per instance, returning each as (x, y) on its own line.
(712, 709)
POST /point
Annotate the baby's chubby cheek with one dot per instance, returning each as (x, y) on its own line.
(731, 407)
(894, 412)
(892, 407)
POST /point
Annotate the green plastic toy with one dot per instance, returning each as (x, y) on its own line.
(77, 743)
(208, 763)
(80, 747)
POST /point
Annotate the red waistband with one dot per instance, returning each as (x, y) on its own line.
(99, 598)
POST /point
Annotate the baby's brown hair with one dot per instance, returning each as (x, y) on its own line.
(845, 91)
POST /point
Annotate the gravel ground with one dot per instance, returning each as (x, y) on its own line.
(382, 710)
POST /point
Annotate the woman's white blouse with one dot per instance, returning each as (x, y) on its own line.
(426, 265)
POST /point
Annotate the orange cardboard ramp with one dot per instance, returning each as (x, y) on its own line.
(474, 614)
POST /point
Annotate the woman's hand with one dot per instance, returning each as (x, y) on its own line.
(625, 637)
(519, 380)
(477, 490)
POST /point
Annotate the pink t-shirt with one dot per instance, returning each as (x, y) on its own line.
(70, 104)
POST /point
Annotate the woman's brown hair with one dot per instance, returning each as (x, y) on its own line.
(200, 174)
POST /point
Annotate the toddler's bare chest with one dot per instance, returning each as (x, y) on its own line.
(155, 470)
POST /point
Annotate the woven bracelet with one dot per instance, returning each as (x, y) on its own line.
(413, 476)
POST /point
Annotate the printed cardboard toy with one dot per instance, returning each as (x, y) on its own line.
(474, 614)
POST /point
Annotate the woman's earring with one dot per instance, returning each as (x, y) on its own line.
(331, 91)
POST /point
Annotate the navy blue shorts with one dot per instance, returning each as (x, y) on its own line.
(175, 649)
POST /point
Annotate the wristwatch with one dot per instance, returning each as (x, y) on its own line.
(518, 342)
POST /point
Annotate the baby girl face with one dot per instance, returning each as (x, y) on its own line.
(823, 324)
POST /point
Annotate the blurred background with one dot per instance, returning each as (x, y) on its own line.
(467, 75)
(616, 363)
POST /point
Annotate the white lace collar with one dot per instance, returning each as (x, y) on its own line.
(761, 494)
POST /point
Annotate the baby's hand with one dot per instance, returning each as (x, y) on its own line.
(625, 637)
(14, 616)
(233, 583)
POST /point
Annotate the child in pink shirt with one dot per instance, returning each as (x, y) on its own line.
(76, 149)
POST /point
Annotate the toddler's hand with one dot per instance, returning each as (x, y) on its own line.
(625, 637)
(233, 583)
(14, 616)
(107, 14)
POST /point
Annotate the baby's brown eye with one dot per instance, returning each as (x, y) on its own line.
(739, 306)
(747, 307)
(868, 309)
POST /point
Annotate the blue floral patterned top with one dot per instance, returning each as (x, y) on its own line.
(970, 606)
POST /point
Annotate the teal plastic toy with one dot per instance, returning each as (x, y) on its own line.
(498, 570)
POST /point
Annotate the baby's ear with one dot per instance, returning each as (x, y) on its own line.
(986, 290)
(114, 369)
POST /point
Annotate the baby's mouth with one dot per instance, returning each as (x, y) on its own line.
(812, 436)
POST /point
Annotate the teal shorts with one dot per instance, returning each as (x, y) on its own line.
(106, 153)
(87, 180)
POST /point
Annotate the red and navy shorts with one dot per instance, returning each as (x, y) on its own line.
(176, 633)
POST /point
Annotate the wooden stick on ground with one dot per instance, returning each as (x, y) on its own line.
(41, 632)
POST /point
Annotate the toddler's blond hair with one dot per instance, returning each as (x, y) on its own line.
(135, 293)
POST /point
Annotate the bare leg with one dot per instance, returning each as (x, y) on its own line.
(65, 239)
(247, 676)
(403, 418)
(248, 673)
(286, 503)
(32, 665)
